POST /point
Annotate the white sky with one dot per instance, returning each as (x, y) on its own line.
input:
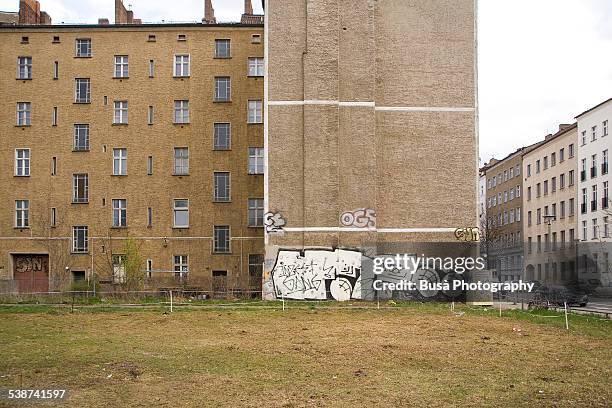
(541, 62)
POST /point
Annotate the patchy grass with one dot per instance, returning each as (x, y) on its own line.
(405, 355)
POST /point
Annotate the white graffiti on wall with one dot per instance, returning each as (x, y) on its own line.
(361, 218)
(317, 275)
(274, 223)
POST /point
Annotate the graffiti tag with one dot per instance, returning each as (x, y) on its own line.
(361, 218)
(467, 234)
(274, 223)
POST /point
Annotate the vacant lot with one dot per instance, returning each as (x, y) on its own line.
(410, 356)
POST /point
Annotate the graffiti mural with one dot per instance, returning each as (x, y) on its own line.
(467, 234)
(274, 223)
(317, 275)
(361, 218)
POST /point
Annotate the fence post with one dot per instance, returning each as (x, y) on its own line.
(170, 301)
(566, 322)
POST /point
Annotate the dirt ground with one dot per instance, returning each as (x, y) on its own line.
(303, 358)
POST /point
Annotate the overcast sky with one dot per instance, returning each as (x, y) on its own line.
(541, 62)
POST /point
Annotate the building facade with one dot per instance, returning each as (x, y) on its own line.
(359, 95)
(595, 216)
(131, 140)
(503, 228)
(550, 221)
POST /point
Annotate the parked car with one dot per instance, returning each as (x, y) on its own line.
(547, 296)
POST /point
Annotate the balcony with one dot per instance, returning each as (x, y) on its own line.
(593, 172)
(604, 168)
(594, 205)
(583, 175)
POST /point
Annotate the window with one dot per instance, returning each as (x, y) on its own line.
(150, 166)
(222, 136)
(53, 217)
(221, 239)
(182, 37)
(80, 239)
(24, 113)
(83, 47)
(595, 229)
(256, 212)
(518, 214)
(149, 217)
(256, 160)
(529, 193)
(22, 162)
(82, 92)
(594, 198)
(255, 112)
(256, 262)
(24, 67)
(529, 218)
(545, 162)
(118, 268)
(606, 224)
(150, 115)
(152, 38)
(562, 181)
(121, 66)
(54, 116)
(583, 171)
(81, 137)
(181, 65)
(537, 166)
(222, 89)
(56, 70)
(584, 231)
(181, 213)
(539, 216)
(121, 113)
(256, 39)
(222, 186)
(562, 209)
(181, 161)
(553, 159)
(561, 155)
(256, 66)
(25, 40)
(119, 213)
(22, 213)
(517, 171)
(151, 68)
(181, 111)
(571, 175)
(594, 133)
(538, 190)
(583, 208)
(571, 150)
(553, 184)
(222, 49)
(80, 188)
(605, 201)
(54, 166)
(120, 162)
(529, 170)
(181, 265)
(604, 164)
(583, 138)
(604, 127)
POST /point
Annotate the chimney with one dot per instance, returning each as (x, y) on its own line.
(209, 13)
(248, 7)
(563, 126)
(103, 21)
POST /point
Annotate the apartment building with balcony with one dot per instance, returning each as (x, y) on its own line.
(550, 207)
(595, 215)
(131, 137)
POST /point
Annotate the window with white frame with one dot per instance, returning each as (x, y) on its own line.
(181, 160)
(222, 48)
(221, 239)
(594, 133)
(22, 162)
(24, 113)
(24, 67)
(223, 89)
(120, 162)
(221, 186)
(181, 65)
(256, 66)
(181, 265)
(256, 212)
(222, 136)
(120, 212)
(604, 127)
(256, 160)
(255, 112)
(22, 213)
(121, 112)
(181, 111)
(119, 275)
(122, 69)
(82, 93)
(80, 188)
(583, 137)
(181, 213)
(83, 47)
(80, 239)
(81, 137)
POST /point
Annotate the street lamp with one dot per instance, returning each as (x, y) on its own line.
(548, 219)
